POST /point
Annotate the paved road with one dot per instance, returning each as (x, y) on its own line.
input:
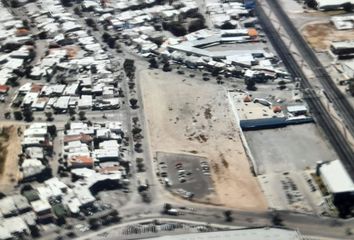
(319, 111)
(134, 210)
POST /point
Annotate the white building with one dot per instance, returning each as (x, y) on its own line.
(336, 178)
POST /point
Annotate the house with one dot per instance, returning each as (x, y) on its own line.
(5, 234)
(31, 168)
(103, 155)
(110, 144)
(34, 152)
(8, 207)
(21, 203)
(62, 104)
(29, 98)
(85, 102)
(43, 210)
(297, 110)
(36, 132)
(39, 104)
(80, 137)
(80, 162)
(4, 89)
(15, 225)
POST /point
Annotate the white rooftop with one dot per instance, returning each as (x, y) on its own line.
(336, 177)
(297, 108)
(40, 205)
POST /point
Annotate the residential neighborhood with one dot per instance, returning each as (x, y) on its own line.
(157, 119)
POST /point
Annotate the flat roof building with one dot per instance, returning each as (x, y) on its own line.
(339, 184)
(336, 178)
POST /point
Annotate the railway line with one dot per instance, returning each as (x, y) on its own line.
(322, 117)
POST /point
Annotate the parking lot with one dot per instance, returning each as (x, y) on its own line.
(186, 175)
(292, 148)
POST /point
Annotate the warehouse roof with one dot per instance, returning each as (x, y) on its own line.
(336, 177)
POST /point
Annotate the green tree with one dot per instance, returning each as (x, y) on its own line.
(153, 63)
(49, 116)
(166, 67)
(27, 114)
(141, 167)
(111, 42)
(276, 219)
(82, 115)
(228, 216)
(167, 207)
(133, 102)
(52, 130)
(106, 36)
(251, 84)
(196, 25)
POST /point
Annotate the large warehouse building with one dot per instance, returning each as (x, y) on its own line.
(339, 184)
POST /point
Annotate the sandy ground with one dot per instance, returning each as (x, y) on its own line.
(9, 177)
(188, 115)
(320, 36)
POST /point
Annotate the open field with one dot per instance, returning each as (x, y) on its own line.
(186, 115)
(10, 148)
(320, 36)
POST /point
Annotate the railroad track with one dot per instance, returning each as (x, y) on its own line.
(333, 93)
(319, 111)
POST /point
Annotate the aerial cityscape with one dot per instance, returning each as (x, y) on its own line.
(177, 119)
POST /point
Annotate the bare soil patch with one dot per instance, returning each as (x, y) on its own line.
(187, 115)
(320, 36)
(10, 147)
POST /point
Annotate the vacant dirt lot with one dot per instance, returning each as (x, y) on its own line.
(320, 36)
(11, 147)
(189, 115)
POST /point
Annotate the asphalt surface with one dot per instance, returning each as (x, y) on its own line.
(196, 182)
(322, 117)
(135, 210)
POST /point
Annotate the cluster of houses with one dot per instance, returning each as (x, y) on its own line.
(92, 154)
(37, 146)
(61, 97)
(78, 71)
(229, 11)
(138, 25)
(13, 39)
(17, 217)
(87, 146)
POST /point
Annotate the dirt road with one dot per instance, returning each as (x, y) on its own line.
(8, 178)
